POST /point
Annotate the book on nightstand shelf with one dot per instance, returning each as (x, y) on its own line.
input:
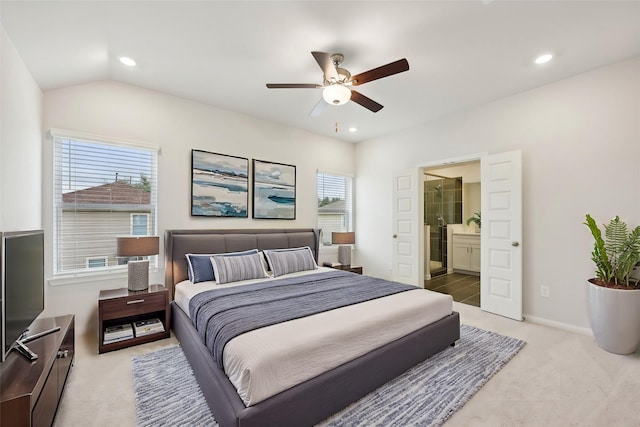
(331, 264)
(147, 326)
(117, 333)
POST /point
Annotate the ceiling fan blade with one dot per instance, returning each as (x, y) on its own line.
(324, 61)
(396, 67)
(367, 103)
(293, 86)
(319, 108)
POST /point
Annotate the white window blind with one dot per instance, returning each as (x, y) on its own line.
(99, 188)
(335, 204)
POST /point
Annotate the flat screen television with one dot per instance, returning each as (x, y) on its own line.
(22, 271)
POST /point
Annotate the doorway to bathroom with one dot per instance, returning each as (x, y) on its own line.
(501, 239)
(452, 247)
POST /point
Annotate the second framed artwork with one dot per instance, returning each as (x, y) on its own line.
(274, 190)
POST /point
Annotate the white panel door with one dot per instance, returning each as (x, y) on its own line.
(407, 247)
(501, 237)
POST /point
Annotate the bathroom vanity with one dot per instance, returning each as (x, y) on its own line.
(465, 252)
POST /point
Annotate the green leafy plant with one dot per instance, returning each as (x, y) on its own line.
(616, 254)
(475, 218)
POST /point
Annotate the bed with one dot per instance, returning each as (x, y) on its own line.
(316, 398)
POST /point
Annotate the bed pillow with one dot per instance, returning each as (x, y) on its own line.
(285, 261)
(200, 268)
(265, 264)
(237, 266)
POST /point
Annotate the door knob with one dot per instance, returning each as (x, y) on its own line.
(515, 244)
(395, 236)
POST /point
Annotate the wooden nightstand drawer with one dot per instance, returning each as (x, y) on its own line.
(133, 305)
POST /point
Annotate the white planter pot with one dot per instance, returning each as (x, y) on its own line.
(614, 315)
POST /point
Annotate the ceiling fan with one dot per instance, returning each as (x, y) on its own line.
(336, 87)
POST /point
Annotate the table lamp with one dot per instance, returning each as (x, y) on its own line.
(343, 239)
(138, 246)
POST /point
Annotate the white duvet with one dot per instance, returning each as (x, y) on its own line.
(266, 361)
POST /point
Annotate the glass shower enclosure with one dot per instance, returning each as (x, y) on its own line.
(442, 206)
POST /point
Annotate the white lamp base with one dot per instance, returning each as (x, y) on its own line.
(138, 275)
(344, 255)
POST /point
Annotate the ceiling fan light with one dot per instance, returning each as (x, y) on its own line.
(336, 94)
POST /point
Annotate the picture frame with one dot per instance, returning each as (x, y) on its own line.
(274, 190)
(219, 185)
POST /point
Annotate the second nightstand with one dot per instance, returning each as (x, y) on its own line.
(350, 268)
(122, 306)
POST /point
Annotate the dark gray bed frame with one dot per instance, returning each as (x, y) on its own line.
(316, 399)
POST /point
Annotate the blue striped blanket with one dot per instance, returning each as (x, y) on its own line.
(220, 315)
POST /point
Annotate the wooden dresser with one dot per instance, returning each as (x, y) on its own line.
(31, 391)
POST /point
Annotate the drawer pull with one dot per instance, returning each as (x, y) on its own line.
(135, 301)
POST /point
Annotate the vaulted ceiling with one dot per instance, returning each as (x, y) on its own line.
(461, 53)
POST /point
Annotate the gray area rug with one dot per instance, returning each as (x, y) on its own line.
(167, 393)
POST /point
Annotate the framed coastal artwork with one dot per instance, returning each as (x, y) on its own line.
(219, 185)
(274, 190)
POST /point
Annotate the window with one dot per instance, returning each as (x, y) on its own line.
(95, 262)
(103, 188)
(335, 204)
(140, 224)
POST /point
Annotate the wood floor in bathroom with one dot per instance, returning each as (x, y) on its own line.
(464, 288)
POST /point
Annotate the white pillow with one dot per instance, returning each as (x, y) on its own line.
(237, 266)
(285, 261)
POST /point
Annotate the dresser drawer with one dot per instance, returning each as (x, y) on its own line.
(133, 305)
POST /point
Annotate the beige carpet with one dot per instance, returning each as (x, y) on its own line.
(558, 379)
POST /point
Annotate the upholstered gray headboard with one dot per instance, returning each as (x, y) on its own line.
(177, 243)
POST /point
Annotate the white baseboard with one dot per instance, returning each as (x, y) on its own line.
(558, 325)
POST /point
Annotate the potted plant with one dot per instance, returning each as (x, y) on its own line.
(614, 295)
(475, 218)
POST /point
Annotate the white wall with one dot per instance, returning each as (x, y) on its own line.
(20, 143)
(471, 203)
(177, 126)
(580, 142)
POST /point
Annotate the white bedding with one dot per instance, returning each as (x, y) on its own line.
(266, 361)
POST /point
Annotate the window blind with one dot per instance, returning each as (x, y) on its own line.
(335, 204)
(102, 190)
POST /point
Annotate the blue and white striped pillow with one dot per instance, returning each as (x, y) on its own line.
(237, 266)
(285, 261)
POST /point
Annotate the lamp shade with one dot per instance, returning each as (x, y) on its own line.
(138, 246)
(343, 238)
(336, 94)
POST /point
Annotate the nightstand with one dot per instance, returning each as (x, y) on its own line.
(122, 306)
(350, 268)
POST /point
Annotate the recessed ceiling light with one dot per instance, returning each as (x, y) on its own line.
(353, 129)
(542, 59)
(127, 61)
